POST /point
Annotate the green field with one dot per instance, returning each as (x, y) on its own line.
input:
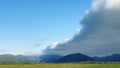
(60, 66)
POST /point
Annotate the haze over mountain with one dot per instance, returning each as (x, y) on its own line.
(8, 58)
(111, 58)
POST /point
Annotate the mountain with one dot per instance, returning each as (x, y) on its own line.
(7, 58)
(75, 58)
(111, 58)
(71, 58)
(49, 58)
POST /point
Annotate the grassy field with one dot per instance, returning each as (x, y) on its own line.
(60, 66)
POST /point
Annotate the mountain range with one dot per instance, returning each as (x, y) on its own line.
(71, 58)
(78, 57)
(111, 58)
(8, 58)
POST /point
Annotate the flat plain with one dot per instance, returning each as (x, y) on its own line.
(59, 65)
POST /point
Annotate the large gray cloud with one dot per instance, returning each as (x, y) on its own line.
(100, 34)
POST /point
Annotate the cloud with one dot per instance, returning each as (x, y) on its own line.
(53, 45)
(100, 34)
(113, 4)
(32, 53)
(2, 50)
(78, 30)
(37, 45)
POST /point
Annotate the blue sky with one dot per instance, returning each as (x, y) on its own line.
(26, 23)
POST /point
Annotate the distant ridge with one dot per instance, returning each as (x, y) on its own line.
(75, 58)
(71, 58)
(111, 58)
(78, 57)
(8, 58)
(50, 58)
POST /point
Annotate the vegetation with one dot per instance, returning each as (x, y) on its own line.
(60, 65)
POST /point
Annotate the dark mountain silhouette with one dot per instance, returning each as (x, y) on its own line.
(75, 58)
(111, 58)
(49, 58)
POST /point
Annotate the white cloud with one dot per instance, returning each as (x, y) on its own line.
(112, 4)
(97, 5)
(53, 45)
(78, 30)
(65, 40)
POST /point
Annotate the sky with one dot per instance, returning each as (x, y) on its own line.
(100, 35)
(29, 26)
